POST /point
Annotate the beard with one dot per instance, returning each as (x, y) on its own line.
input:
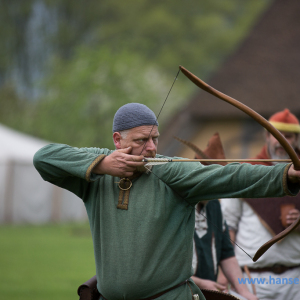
(273, 155)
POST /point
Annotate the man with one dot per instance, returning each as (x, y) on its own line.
(253, 222)
(142, 223)
(213, 249)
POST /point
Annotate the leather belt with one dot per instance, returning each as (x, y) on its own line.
(161, 293)
(276, 269)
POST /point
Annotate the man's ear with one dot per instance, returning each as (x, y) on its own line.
(117, 140)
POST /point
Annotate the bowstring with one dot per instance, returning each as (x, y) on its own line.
(199, 211)
(226, 235)
(150, 170)
(161, 109)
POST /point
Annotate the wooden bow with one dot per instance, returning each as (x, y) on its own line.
(262, 121)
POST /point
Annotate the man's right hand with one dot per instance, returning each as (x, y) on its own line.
(120, 163)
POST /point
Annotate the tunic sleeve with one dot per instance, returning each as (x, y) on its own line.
(196, 182)
(232, 211)
(68, 167)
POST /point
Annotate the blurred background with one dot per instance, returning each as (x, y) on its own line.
(67, 66)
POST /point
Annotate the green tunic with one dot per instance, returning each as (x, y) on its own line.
(148, 248)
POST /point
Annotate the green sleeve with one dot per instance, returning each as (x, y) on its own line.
(68, 167)
(195, 182)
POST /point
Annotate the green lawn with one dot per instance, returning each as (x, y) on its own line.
(44, 262)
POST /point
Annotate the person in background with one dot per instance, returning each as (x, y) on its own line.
(252, 222)
(213, 250)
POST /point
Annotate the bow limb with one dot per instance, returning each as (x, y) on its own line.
(262, 121)
(250, 112)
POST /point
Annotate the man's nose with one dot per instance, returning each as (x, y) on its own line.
(150, 145)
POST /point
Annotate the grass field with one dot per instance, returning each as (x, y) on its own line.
(44, 262)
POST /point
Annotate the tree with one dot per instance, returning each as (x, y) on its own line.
(105, 53)
(81, 96)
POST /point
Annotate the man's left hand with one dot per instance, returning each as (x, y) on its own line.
(293, 175)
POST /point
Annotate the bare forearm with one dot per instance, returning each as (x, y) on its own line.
(232, 271)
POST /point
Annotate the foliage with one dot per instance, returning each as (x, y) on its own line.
(83, 95)
(102, 54)
(195, 34)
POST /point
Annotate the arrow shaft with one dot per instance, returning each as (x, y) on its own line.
(149, 160)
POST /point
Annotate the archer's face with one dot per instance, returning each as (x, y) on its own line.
(142, 140)
(274, 147)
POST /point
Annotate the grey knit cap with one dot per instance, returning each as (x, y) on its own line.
(133, 115)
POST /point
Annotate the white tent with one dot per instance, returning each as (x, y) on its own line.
(24, 196)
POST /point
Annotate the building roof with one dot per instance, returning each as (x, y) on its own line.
(263, 73)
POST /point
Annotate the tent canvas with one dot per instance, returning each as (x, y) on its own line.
(24, 196)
